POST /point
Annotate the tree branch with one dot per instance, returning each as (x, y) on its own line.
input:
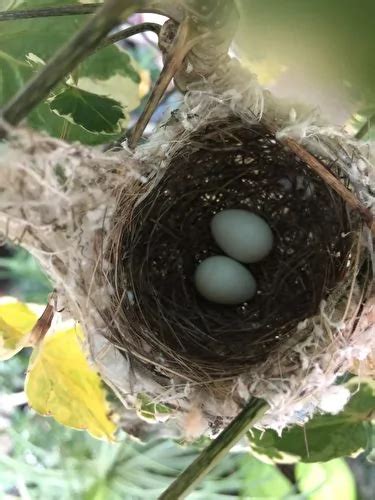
(67, 59)
(162, 7)
(211, 455)
(66, 10)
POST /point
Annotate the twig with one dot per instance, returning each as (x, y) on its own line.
(365, 129)
(128, 32)
(328, 177)
(66, 59)
(211, 455)
(181, 46)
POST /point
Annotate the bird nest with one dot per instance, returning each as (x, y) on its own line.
(162, 232)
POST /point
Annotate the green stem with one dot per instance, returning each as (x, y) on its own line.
(212, 455)
(161, 7)
(128, 32)
(67, 59)
(66, 10)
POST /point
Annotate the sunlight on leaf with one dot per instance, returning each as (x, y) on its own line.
(324, 437)
(16, 322)
(61, 383)
(91, 111)
(321, 481)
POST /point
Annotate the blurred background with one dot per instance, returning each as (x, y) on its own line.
(319, 53)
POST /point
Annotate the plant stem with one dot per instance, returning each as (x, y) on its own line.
(67, 59)
(66, 10)
(162, 7)
(128, 32)
(211, 455)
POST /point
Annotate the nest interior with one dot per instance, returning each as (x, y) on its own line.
(165, 233)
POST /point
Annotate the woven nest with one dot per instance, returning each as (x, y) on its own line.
(162, 232)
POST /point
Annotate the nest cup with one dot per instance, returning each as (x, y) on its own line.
(162, 232)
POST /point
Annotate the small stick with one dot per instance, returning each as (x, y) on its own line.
(44, 322)
(214, 452)
(181, 46)
(128, 32)
(66, 59)
(328, 177)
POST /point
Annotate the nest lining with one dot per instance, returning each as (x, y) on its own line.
(165, 234)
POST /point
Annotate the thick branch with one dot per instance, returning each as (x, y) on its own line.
(66, 10)
(162, 7)
(212, 455)
(67, 59)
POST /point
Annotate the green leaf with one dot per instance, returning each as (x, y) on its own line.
(91, 111)
(12, 75)
(105, 63)
(20, 38)
(324, 437)
(321, 481)
(43, 118)
(110, 72)
(9, 4)
(150, 411)
(262, 480)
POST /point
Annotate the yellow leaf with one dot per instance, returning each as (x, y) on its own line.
(16, 322)
(61, 383)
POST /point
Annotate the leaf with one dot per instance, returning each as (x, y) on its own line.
(17, 40)
(107, 62)
(262, 480)
(324, 437)
(61, 383)
(9, 4)
(150, 411)
(91, 111)
(16, 322)
(12, 75)
(110, 72)
(326, 480)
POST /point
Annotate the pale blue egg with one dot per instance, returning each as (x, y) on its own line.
(222, 280)
(242, 235)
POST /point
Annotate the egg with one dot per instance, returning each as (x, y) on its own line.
(242, 235)
(223, 280)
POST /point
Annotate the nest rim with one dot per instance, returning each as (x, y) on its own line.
(138, 333)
